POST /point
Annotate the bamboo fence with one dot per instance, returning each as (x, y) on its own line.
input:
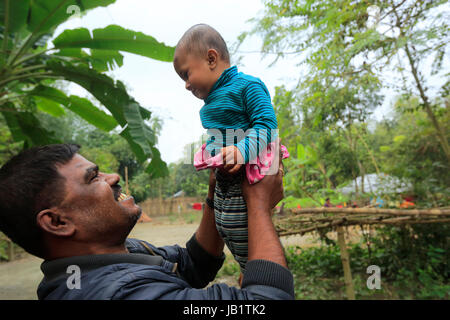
(154, 207)
(302, 221)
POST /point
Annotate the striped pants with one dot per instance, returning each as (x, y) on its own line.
(230, 213)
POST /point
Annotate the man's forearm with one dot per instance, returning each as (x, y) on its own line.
(207, 235)
(263, 241)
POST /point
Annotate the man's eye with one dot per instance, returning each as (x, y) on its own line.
(94, 177)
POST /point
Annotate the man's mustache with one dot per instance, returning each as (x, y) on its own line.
(117, 190)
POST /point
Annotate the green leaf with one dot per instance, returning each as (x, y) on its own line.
(157, 168)
(13, 124)
(16, 15)
(46, 15)
(137, 150)
(317, 120)
(86, 110)
(49, 106)
(31, 127)
(105, 60)
(100, 60)
(115, 38)
(142, 133)
(301, 152)
(312, 153)
(81, 106)
(399, 139)
(72, 52)
(99, 85)
(24, 126)
(113, 95)
(51, 94)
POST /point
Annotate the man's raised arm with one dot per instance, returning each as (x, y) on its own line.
(207, 235)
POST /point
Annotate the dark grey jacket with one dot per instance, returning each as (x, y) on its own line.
(148, 273)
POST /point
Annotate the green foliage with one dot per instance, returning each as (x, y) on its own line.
(292, 202)
(229, 268)
(141, 187)
(114, 39)
(413, 261)
(8, 148)
(407, 147)
(28, 69)
(102, 158)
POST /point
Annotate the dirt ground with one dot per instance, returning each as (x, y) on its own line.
(19, 279)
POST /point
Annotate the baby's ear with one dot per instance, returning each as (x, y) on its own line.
(213, 57)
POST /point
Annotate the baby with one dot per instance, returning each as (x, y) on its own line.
(234, 103)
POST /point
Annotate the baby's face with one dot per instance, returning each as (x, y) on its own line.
(195, 72)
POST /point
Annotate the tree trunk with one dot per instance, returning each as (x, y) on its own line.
(440, 132)
(369, 151)
(322, 169)
(351, 142)
(363, 173)
(346, 264)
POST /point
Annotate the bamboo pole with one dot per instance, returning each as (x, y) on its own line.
(284, 232)
(346, 264)
(406, 212)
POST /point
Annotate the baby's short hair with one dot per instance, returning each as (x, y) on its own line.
(202, 37)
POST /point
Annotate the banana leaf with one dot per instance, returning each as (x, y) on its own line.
(115, 38)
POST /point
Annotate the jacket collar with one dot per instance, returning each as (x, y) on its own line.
(56, 268)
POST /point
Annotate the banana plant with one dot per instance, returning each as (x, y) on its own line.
(30, 64)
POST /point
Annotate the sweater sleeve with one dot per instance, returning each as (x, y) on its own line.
(263, 121)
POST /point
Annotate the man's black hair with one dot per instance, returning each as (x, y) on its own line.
(29, 183)
(202, 37)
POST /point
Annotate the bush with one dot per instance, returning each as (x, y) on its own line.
(413, 262)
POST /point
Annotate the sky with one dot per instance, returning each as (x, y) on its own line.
(154, 84)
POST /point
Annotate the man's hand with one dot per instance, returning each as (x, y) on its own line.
(265, 194)
(261, 198)
(232, 159)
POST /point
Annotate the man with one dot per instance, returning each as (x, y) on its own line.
(58, 206)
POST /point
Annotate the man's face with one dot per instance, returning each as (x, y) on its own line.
(195, 71)
(91, 203)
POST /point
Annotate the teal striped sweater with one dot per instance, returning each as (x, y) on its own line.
(239, 101)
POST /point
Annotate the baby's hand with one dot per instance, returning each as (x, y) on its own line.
(232, 159)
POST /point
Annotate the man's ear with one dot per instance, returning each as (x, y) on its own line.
(213, 58)
(55, 222)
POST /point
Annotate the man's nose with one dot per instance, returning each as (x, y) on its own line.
(112, 178)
